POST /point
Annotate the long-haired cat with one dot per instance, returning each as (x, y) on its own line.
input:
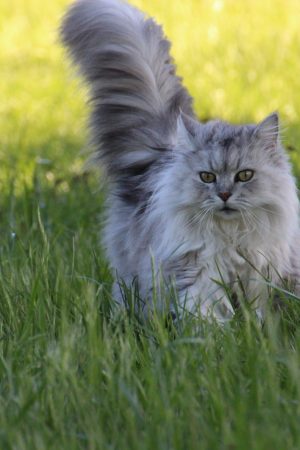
(208, 204)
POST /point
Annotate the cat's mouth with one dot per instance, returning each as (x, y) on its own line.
(228, 210)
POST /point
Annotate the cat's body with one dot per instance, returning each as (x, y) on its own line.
(191, 203)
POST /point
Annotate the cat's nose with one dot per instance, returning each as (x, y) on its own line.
(224, 195)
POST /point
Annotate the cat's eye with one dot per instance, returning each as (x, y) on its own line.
(244, 175)
(207, 177)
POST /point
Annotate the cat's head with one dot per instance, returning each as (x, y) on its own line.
(226, 172)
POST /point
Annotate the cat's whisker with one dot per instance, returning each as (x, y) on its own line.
(260, 226)
(206, 215)
(245, 203)
(198, 217)
(270, 211)
(252, 224)
(248, 205)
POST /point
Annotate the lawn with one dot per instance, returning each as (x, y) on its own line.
(76, 373)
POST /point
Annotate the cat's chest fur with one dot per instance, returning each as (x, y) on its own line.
(223, 259)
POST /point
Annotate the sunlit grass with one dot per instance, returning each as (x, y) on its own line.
(73, 373)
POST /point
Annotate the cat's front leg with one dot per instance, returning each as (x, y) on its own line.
(206, 298)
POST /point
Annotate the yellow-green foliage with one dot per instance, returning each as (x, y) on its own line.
(239, 58)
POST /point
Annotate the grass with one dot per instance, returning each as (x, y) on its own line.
(75, 373)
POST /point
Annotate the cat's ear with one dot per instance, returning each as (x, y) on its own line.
(267, 132)
(191, 125)
(187, 128)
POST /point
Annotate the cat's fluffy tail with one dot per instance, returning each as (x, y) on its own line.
(136, 95)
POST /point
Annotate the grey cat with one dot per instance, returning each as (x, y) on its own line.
(201, 203)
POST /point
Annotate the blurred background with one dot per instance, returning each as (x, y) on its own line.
(239, 59)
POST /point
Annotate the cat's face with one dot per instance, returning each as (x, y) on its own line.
(230, 172)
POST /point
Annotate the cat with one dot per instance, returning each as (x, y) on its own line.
(207, 205)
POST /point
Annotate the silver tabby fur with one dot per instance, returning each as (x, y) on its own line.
(153, 148)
